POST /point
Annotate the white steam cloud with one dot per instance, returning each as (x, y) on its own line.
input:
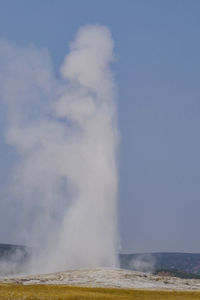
(143, 263)
(65, 133)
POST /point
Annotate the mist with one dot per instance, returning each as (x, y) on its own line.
(143, 263)
(64, 132)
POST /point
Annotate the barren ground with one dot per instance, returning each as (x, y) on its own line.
(103, 277)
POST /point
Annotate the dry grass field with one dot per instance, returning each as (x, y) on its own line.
(59, 292)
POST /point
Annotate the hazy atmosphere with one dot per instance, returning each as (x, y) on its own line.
(136, 66)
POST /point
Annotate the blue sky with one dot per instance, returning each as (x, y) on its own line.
(157, 44)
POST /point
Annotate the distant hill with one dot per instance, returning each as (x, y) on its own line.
(7, 250)
(183, 265)
(12, 259)
(153, 262)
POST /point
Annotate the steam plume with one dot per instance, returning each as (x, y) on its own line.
(65, 133)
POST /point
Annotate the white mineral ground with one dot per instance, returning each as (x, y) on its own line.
(105, 277)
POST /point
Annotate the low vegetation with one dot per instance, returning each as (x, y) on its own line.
(176, 273)
(59, 292)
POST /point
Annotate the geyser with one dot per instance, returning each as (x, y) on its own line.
(64, 184)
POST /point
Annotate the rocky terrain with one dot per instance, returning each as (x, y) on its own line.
(102, 277)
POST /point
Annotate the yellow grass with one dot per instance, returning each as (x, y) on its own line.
(52, 292)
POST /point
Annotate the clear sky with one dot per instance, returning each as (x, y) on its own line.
(157, 73)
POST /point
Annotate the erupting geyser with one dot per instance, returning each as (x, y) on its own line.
(65, 133)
